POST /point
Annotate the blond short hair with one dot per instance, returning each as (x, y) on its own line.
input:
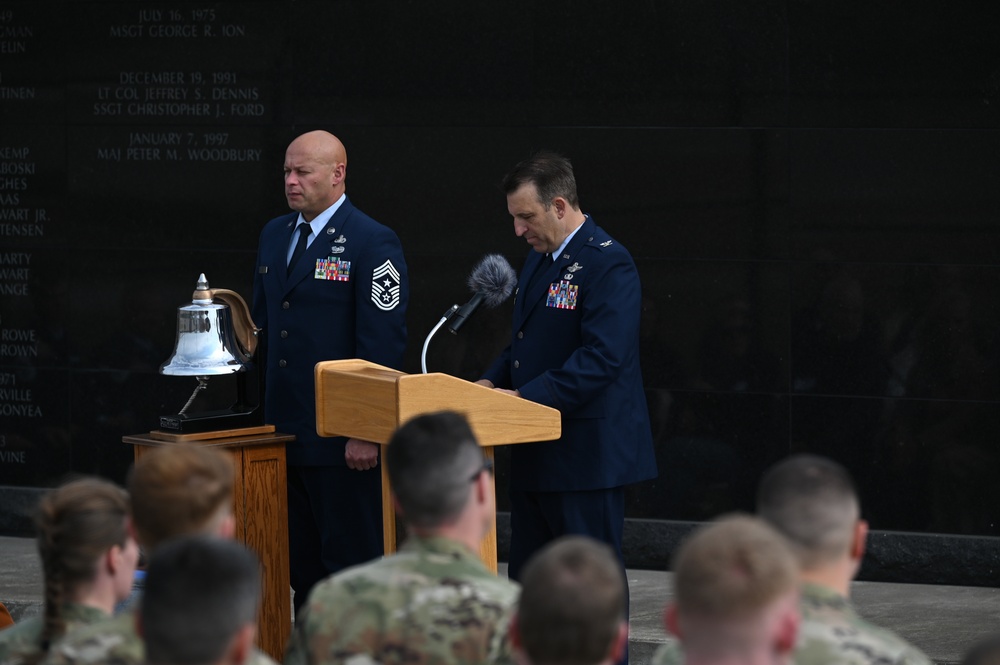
(732, 568)
(179, 490)
(572, 602)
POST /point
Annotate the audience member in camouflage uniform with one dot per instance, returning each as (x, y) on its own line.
(200, 603)
(433, 601)
(572, 605)
(735, 596)
(175, 491)
(813, 502)
(88, 558)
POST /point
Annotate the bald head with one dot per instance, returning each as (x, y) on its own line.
(315, 173)
(322, 146)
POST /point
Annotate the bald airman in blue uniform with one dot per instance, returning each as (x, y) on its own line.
(331, 283)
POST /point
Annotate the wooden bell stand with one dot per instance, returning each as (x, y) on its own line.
(359, 399)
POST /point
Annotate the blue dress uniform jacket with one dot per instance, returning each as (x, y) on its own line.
(575, 347)
(325, 310)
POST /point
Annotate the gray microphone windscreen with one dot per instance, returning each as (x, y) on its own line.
(494, 278)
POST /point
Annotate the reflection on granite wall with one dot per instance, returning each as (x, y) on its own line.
(809, 191)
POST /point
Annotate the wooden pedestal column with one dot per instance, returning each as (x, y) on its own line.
(261, 509)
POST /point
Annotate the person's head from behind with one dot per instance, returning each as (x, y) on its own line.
(199, 606)
(86, 547)
(572, 605)
(439, 477)
(735, 592)
(812, 501)
(181, 490)
(984, 652)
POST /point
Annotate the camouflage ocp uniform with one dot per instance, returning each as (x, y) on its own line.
(23, 639)
(832, 632)
(433, 602)
(112, 642)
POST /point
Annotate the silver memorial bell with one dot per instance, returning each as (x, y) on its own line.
(213, 338)
(207, 343)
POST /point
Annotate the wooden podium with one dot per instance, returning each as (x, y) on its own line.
(359, 399)
(260, 505)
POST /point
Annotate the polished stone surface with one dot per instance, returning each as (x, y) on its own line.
(808, 191)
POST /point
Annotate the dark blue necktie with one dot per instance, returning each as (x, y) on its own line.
(300, 248)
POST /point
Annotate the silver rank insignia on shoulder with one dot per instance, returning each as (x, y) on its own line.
(337, 249)
(573, 268)
(606, 243)
(341, 239)
(330, 231)
(385, 286)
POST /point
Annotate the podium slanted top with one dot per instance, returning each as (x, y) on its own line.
(357, 398)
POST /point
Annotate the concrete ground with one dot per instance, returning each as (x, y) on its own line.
(943, 621)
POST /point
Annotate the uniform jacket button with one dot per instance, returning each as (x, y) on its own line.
(282, 363)
(520, 334)
(517, 364)
(285, 305)
(284, 334)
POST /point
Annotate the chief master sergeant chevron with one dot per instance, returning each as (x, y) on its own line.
(330, 283)
(575, 347)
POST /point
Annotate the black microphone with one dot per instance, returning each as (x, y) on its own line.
(492, 281)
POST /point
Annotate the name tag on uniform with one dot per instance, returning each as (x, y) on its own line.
(562, 295)
(333, 269)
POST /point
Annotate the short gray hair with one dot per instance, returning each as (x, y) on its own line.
(812, 501)
(431, 462)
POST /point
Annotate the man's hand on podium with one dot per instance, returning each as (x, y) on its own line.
(489, 384)
(361, 455)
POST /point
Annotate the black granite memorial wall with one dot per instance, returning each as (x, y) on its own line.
(809, 191)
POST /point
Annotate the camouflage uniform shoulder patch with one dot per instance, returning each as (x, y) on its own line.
(832, 631)
(24, 638)
(112, 641)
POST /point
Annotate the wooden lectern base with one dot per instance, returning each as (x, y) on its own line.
(260, 504)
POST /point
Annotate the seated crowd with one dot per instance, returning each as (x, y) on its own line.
(772, 588)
